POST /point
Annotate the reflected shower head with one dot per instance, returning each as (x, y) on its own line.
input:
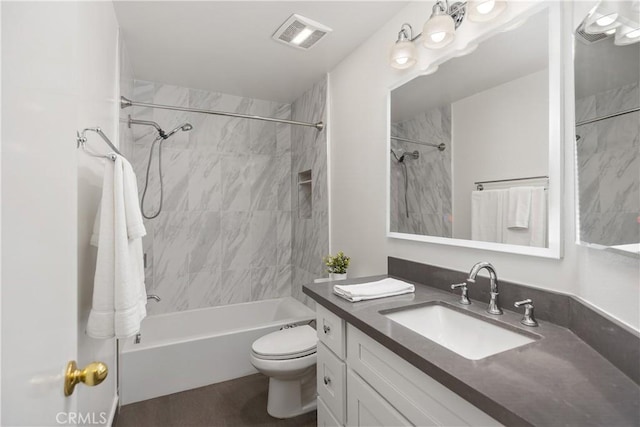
(185, 127)
(412, 155)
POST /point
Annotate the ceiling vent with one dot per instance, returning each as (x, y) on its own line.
(588, 38)
(300, 32)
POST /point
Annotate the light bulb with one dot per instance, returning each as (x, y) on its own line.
(403, 55)
(633, 34)
(482, 11)
(626, 35)
(438, 31)
(438, 37)
(607, 19)
(486, 7)
(302, 36)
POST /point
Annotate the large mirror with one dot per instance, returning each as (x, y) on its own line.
(474, 154)
(607, 74)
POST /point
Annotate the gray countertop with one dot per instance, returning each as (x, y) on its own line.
(558, 380)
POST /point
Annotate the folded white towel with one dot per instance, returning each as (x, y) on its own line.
(536, 234)
(119, 294)
(519, 207)
(380, 289)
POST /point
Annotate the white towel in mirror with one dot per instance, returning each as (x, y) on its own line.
(487, 215)
(519, 207)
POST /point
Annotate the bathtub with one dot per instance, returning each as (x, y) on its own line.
(188, 349)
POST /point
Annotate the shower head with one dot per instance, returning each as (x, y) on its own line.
(185, 127)
(412, 155)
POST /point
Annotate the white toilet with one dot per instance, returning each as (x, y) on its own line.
(288, 358)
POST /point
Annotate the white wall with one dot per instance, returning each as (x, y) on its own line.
(359, 130)
(499, 133)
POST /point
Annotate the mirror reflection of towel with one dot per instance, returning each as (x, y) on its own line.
(489, 218)
(536, 234)
(487, 215)
(519, 207)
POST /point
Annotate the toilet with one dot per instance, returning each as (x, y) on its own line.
(288, 358)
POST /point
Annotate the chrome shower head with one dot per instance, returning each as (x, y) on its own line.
(185, 127)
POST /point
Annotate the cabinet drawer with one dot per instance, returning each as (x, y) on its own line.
(325, 417)
(420, 398)
(331, 330)
(367, 408)
(331, 381)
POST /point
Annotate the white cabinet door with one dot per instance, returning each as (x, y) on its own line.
(325, 417)
(366, 408)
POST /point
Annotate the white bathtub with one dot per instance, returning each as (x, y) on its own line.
(188, 349)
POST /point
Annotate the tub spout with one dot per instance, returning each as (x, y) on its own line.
(154, 297)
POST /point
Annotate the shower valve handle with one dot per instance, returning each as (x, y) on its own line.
(326, 329)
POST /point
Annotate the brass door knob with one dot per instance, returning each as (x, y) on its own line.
(92, 374)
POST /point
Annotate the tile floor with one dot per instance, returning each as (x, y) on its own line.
(239, 402)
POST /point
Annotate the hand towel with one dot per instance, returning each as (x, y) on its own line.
(536, 234)
(487, 215)
(519, 207)
(380, 289)
(119, 294)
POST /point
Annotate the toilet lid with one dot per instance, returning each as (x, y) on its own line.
(287, 343)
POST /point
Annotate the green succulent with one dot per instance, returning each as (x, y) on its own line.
(337, 264)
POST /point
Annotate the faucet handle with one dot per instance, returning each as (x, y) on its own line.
(528, 319)
(464, 298)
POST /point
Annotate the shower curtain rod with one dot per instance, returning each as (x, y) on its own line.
(440, 147)
(124, 103)
(610, 116)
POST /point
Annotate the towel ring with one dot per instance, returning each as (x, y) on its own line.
(81, 139)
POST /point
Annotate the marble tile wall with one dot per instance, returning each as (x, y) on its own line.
(608, 163)
(428, 187)
(224, 234)
(310, 238)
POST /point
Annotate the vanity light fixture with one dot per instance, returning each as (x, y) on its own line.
(627, 35)
(440, 28)
(601, 21)
(608, 18)
(485, 10)
(403, 53)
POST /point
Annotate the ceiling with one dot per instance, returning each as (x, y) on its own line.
(502, 58)
(226, 46)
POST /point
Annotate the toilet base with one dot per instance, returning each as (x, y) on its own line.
(290, 398)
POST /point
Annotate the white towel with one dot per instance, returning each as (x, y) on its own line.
(119, 294)
(519, 207)
(382, 288)
(536, 234)
(487, 215)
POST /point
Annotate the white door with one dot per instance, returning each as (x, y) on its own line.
(59, 74)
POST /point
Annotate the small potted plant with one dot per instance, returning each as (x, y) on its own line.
(337, 265)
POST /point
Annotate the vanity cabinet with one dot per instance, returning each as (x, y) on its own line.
(331, 368)
(363, 383)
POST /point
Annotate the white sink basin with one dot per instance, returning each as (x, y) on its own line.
(467, 335)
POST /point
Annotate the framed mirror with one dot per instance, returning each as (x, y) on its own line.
(607, 77)
(475, 151)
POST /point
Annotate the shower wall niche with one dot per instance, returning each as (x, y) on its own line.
(225, 234)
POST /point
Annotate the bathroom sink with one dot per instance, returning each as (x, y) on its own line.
(461, 332)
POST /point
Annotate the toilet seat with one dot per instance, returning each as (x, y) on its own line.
(286, 344)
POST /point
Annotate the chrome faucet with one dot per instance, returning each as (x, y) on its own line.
(494, 307)
(153, 297)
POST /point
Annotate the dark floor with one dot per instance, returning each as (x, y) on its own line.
(239, 402)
